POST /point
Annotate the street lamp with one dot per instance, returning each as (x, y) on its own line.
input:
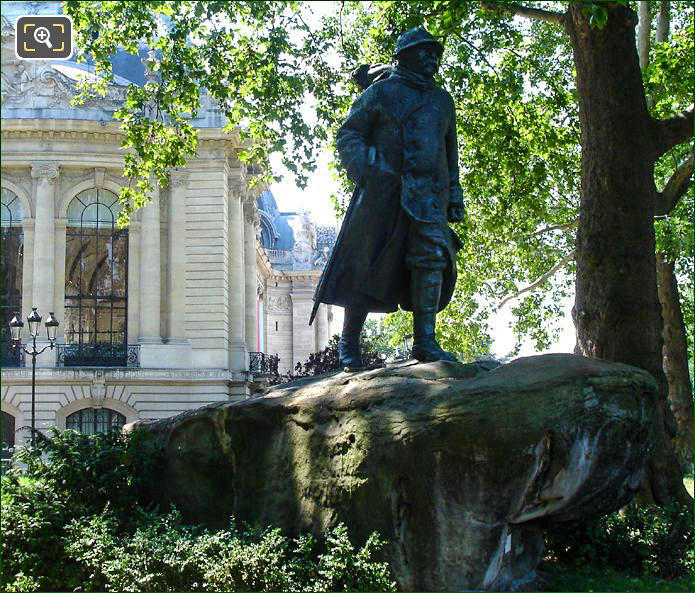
(34, 320)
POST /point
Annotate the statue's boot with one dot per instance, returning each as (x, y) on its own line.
(425, 290)
(349, 351)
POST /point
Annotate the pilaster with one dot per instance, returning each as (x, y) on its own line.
(303, 339)
(178, 344)
(238, 351)
(251, 221)
(45, 175)
(322, 333)
(150, 337)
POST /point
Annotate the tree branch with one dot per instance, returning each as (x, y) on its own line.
(557, 227)
(671, 132)
(548, 16)
(677, 185)
(559, 265)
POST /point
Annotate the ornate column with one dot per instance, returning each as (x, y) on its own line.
(43, 277)
(238, 352)
(251, 221)
(178, 343)
(150, 337)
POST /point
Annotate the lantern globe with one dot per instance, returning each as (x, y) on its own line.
(16, 325)
(51, 326)
(34, 320)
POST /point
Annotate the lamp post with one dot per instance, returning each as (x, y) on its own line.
(34, 320)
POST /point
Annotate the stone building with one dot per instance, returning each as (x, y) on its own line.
(182, 308)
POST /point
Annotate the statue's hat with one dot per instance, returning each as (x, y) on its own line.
(416, 36)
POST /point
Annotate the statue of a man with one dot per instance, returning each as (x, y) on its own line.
(395, 248)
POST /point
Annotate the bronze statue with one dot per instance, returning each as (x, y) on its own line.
(398, 144)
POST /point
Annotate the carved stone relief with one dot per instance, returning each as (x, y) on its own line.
(98, 387)
(40, 84)
(251, 215)
(279, 304)
(47, 171)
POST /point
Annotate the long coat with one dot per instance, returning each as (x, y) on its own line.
(398, 145)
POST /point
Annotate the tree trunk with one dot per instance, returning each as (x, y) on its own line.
(680, 394)
(664, 24)
(617, 312)
(644, 33)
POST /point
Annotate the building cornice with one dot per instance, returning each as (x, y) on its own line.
(105, 132)
(58, 376)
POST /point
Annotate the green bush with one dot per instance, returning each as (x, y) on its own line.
(165, 555)
(67, 476)
(74, 520)
(651, 540)
(32, 522)
(326, 360)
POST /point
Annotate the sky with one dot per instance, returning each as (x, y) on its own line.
(315, 198)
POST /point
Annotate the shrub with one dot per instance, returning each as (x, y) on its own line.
(68, 476)
(74, 520)
(326, 360)
(654, 540)
(165, 555)
(33, 521)
(89, 472)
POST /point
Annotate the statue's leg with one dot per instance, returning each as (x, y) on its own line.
(349, 352)
(427, 261)
(426, 286)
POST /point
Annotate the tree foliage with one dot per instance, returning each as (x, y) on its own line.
(326, 360)
(257, 60)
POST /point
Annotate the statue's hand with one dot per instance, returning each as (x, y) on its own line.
(456, 213)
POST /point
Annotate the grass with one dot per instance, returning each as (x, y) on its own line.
(585, 578)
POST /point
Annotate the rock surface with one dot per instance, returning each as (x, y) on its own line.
(460, 468)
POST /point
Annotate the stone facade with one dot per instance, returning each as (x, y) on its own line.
(202, 289)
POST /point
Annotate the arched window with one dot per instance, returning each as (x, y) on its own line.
(268, 231)
(94, 420)
(96, 282)
(12, 250)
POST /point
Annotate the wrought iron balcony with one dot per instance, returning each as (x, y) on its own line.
(261, 363)
(12, 358)
(98, 355)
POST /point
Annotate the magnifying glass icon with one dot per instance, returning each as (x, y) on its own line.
(42, 35)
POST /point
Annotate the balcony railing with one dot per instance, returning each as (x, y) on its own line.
(263, 364)
(12, 358)
(99, 355)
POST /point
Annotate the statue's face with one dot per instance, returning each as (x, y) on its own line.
(422, 59)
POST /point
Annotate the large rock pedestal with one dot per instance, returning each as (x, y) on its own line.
(459, 468)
